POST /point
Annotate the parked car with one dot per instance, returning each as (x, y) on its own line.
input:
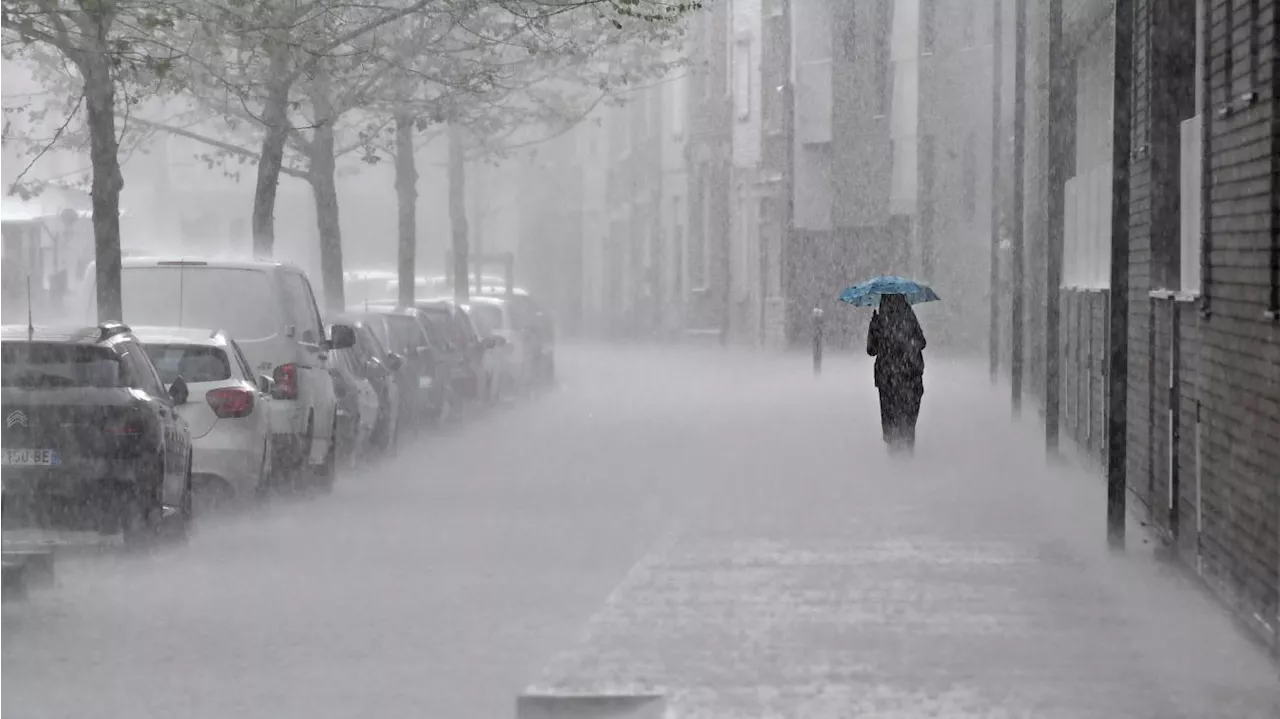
(357, 406)
(507, 360)
(92, 436)
(227, 410)
(404, 332)
(537, 328)
(269, 308)
(381, 367)
(465, 348)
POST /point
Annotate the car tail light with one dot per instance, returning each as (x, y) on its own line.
(286, 379)
(230, 402)
(125, 427)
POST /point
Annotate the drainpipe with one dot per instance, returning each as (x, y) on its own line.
(997, 82)
(1118, 306)
(1059, 125)
(1019, 166)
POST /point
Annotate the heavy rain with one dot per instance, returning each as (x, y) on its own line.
(604, 358)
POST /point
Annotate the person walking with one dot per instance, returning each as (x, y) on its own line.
(895, 339)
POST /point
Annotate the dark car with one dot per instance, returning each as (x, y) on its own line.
(423, 378)
(465, 347)
(92, 437)
(380, 367)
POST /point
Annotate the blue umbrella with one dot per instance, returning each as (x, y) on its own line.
(868, 294)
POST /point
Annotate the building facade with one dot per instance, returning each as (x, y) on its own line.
(1200, 251)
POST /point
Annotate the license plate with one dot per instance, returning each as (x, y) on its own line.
(30, 458)
(424, 383)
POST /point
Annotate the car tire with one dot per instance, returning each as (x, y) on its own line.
(177, 530)
(147, 526)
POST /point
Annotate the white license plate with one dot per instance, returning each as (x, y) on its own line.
(424, 383)
(30, 458)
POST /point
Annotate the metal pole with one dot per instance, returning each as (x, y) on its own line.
(997, 105)
(1059, 107)
(1118, 335)
(817, 341)
(1019, 166)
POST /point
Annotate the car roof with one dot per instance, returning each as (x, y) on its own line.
(489, 300)
(103, 334)
(194, 262)
(181, 335)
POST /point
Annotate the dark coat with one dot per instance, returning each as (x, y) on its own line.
(897, 343)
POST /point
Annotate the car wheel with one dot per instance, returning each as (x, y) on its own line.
(177, 529)
(144, 512)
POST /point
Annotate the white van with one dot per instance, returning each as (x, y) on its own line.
(268, 308)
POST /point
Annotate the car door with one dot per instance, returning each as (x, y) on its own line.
(141, 376)
(315, 390)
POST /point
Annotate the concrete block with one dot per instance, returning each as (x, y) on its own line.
(591, 706)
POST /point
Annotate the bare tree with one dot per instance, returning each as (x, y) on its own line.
(115, 49)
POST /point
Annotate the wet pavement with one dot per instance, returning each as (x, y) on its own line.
(722, 529)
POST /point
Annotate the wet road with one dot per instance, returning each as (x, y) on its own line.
(724, 530)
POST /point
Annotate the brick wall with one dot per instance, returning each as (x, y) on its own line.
(1206, 474)
(1231, 367)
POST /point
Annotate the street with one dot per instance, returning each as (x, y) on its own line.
(719, 527)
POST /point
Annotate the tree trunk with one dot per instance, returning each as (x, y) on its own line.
(275, 117)
(100, 92)
(458, 212)
(407, 207)
(324, 188)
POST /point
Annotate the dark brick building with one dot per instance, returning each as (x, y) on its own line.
(1203, 297)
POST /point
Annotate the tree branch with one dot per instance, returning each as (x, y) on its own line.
(220, 144)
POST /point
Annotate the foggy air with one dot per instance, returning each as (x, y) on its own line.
(640, 358)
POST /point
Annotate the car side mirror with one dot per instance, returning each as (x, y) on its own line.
(341, 337)
(394, 362)
(266, 384)
(178, 391)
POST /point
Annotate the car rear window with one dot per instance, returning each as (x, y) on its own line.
(241, 302)
(50, 365)
(406, 333)
(194, 363)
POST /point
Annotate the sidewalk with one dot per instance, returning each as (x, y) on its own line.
(972, 580)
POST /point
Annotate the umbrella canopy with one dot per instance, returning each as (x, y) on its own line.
(868, 293)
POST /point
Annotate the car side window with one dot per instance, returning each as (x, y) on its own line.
(245, 367)
(139, 372)
(302, 308)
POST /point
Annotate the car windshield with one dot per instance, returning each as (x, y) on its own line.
(240, 301)
(194, 363)
(50, 365)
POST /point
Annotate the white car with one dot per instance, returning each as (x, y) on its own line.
(510, 358)
(270, 310)
(227, 408)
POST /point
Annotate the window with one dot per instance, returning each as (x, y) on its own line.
(302, 308)
(742, 80)
(1190, 210)
(243, 362)
(139, 373)
(47, 365)
(883, 58)
(194, 363)
(242, 302)
(928, 27)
